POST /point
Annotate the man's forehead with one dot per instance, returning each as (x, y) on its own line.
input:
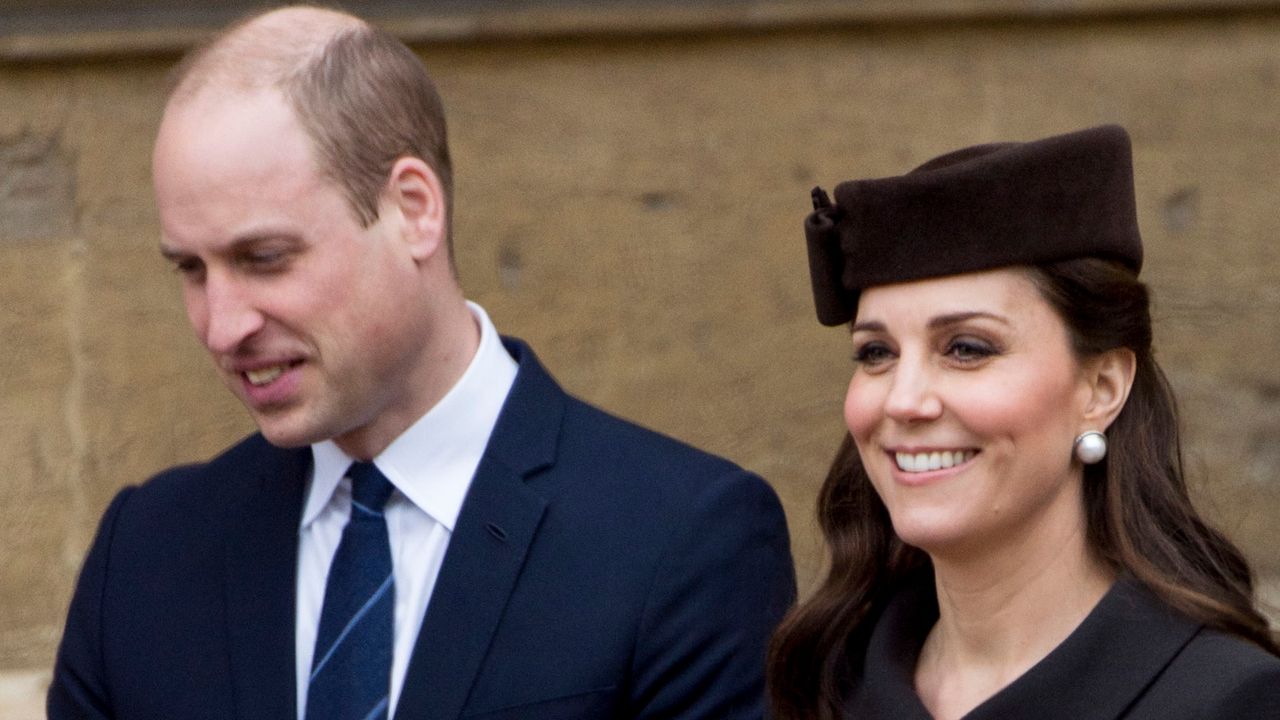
(238, 151)
(221, 96)
(221, 122)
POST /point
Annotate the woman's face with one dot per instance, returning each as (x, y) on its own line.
(964, 403)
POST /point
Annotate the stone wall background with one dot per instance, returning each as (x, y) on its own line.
(631, 205)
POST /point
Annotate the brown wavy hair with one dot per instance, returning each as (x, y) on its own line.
(1139, 514)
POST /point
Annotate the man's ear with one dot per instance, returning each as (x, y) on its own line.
(1109, 377)
(414, 193)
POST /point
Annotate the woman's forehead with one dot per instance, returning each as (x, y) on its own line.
(1005, 292)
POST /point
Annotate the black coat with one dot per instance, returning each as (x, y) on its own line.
(1131, 658)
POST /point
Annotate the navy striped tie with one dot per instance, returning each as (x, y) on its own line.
(351, 668)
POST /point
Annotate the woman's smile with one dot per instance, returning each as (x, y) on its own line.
(922, 461)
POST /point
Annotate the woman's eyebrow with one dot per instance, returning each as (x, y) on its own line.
(956, 318)
(868, 326)
(936, 322)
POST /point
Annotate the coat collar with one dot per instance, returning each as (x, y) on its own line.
(1095, 674)
(261, 562)
(494, 530)
(497, 525)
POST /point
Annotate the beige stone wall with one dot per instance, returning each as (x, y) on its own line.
(632, 207)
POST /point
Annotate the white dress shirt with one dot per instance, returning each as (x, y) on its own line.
(431, 465)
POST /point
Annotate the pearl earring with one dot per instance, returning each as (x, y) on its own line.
(1091, 447)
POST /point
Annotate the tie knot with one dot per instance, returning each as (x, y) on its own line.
(369, 487)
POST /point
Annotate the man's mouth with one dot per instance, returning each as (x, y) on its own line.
(266, 375)
(933, 460)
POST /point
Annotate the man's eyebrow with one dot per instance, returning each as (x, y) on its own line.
(172, 253)
(261, 237)
(236, 245)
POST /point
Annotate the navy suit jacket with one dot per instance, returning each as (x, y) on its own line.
(597, 570)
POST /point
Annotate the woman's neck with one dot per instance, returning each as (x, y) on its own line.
(1002, 611)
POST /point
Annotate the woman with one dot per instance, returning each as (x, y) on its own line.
(1009, 527)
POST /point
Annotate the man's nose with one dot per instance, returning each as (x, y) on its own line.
(913, 395)
(230, 316)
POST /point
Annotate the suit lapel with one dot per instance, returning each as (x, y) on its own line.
(262, 550)
(495, 528)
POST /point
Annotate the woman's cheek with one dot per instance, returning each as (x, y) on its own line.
(861, 410)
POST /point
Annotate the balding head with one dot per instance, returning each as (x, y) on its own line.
(361, 95)
(260, 51)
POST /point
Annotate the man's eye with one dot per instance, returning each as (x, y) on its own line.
(264, 260)
(187, 266)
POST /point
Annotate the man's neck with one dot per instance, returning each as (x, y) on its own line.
(448, 350)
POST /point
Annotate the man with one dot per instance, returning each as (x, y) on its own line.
(426, 525)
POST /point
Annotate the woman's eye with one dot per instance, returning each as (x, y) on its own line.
(872, 353)
(967, 350)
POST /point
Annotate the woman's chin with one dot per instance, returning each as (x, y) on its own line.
(930, 536)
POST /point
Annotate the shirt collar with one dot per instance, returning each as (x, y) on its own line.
(432, 462)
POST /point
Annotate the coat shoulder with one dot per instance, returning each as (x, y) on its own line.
(225, 474)
(620, 457)
(1216, 675)
(199, 497)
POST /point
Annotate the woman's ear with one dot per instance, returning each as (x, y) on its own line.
(1110, 377)
(414, 194)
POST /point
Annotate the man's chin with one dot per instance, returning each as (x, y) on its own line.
(286, 435)
(287, 442)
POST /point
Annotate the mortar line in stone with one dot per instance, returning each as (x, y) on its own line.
(78, 532)
(992, 98)
(73, 403)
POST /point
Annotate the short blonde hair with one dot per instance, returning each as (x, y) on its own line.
(362, 96)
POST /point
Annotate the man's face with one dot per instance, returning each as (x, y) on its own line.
(314, 322)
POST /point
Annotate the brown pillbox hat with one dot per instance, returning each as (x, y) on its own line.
(979, 208)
